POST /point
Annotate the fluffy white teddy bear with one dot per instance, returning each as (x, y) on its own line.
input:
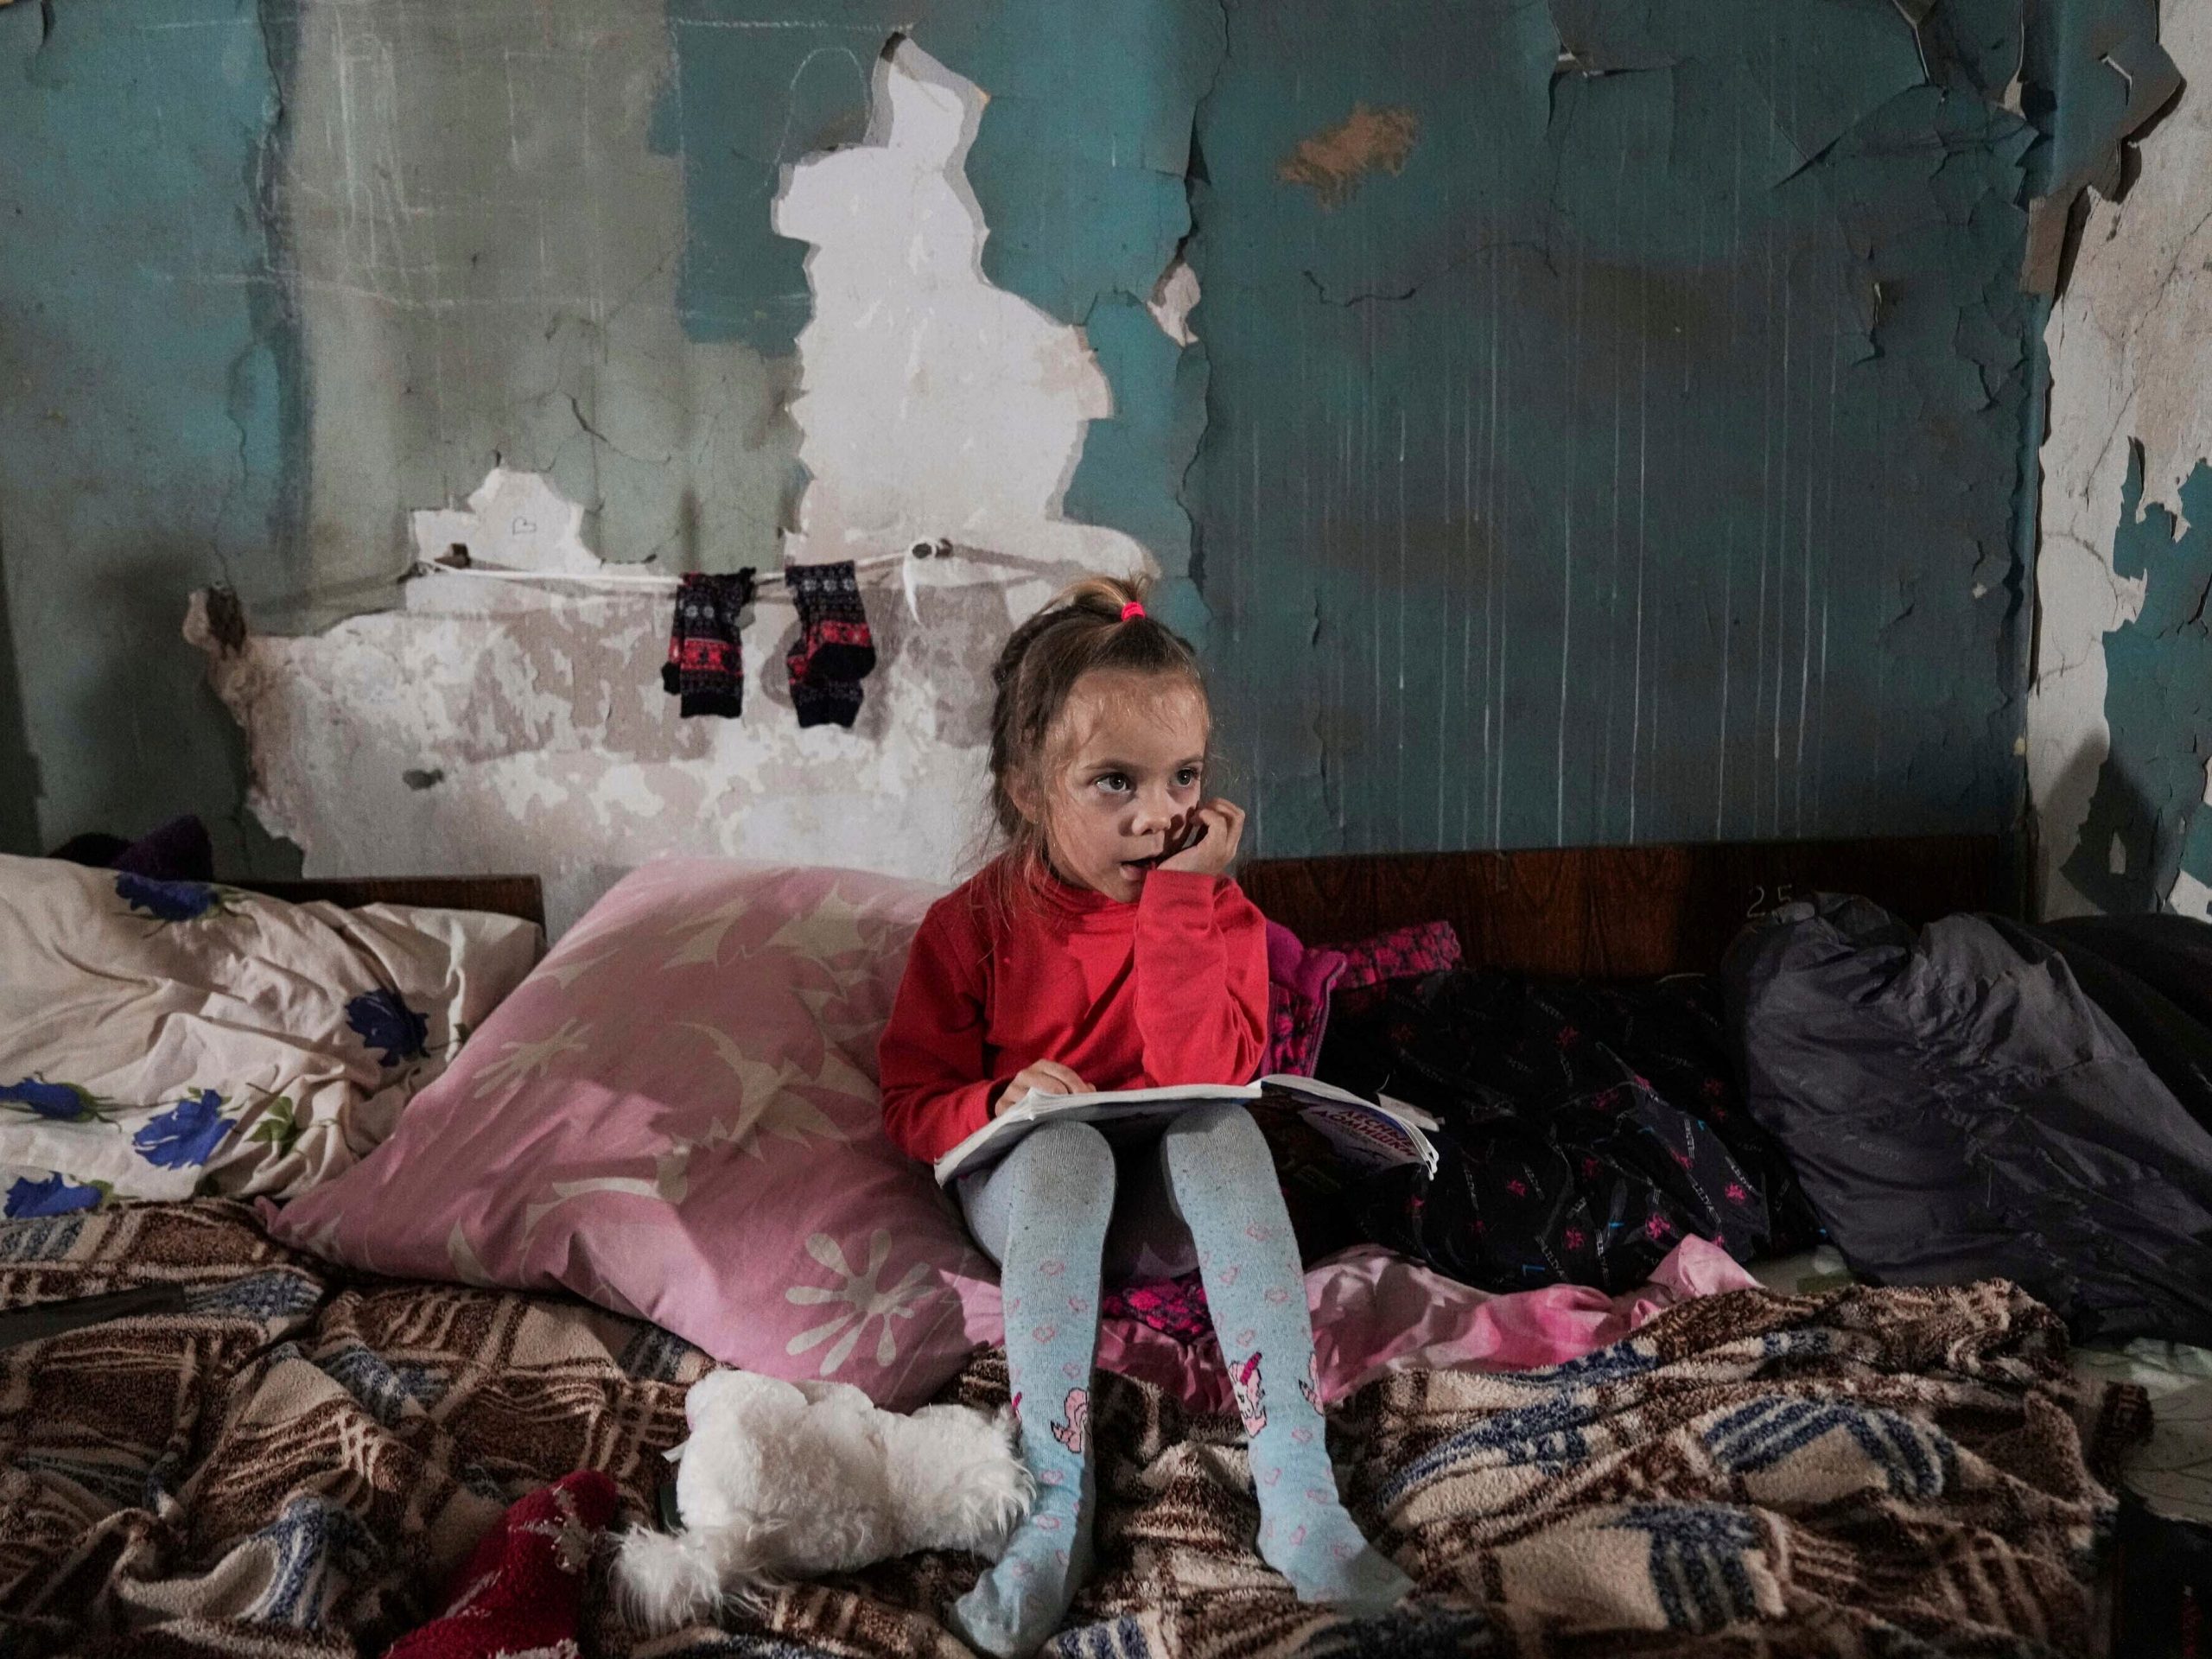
(783, 1480)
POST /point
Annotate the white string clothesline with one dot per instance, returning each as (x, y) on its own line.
(668, 583)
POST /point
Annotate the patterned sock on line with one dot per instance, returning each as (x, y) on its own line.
(1225, 1183)
(819, 701)
(1043, 1211)
(835, 639)
(706, 657)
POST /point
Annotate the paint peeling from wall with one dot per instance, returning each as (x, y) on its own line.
(144, 410)
(484, 248)
(1332, 162)
(2159, 705)
(1637, 463)
(931, 405)
(1624, 455)
(2130, 348)
(1174, 296)
(2105, 68)
(1082, 168)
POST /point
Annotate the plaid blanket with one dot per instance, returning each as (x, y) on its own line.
(292, 1464)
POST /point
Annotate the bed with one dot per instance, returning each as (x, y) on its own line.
(269, 1454)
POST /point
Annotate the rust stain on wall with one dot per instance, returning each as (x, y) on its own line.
(1333, 161)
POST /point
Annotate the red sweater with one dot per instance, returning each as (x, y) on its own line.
(1172, 988)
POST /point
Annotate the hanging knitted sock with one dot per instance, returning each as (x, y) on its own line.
(834, 633)
(1224, 1184)
(820, 702)
(522, 1589)
(706, 662)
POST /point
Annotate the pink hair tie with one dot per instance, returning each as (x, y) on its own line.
(1131, 609)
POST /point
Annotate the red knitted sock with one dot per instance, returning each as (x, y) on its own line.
(522, 1590)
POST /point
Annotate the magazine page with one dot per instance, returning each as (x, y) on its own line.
(1120, 1114)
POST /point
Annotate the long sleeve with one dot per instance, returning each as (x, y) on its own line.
(1201, 980)
(931, 1058)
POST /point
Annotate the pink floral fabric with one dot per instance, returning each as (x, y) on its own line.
(676, 1116)
(1375, 1312)
(1300, 979)
(1403, 953)
(1175, 1308)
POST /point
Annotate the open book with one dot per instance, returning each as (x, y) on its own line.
(1365, 1136)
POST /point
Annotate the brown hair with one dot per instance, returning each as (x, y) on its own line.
(1087, 628)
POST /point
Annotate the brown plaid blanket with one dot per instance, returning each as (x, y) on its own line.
(292, 1464)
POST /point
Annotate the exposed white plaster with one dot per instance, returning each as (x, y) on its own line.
(2130, 353)
(1173, 297)
(515, 521)
(933, 406)
(2190, 896)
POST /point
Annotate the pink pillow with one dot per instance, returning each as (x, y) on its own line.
(676, 1116)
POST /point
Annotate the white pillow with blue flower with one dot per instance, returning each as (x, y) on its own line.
(163, 1039)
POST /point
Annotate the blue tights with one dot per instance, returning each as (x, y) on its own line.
(1044, 1213)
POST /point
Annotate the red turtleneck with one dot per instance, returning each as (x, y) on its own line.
(1172, 988)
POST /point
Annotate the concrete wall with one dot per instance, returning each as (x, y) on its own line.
(484, 726)
(151, 416)
(1558, 423)
(1617, 416)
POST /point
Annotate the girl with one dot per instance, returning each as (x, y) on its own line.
(1105, 948)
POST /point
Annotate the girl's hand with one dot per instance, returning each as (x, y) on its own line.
(1045, 1076)
(1213, 852)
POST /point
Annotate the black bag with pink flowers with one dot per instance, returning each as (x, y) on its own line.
(1587, 1128)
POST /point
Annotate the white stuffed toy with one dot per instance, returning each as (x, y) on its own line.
(783, 1480)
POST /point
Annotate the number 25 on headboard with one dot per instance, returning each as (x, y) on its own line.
(1760, 904)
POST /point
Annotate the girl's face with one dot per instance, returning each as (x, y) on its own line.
(1125, 769)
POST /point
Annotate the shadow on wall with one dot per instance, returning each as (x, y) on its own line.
(2146, 826)
(165, 744)
(18, 772)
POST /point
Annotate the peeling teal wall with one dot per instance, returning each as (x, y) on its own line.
(147, 435)
(1080, 167)
(1637, 456)
(1637, 462)
(2149, 804)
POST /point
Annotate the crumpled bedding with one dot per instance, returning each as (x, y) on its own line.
(159, 1039)
(1374, 1312)
(1586, 1129)
(289, 1465)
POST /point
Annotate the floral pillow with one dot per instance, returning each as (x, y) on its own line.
(160, 1039)
(676, 1118)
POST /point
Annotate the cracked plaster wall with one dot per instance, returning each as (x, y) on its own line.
(2121, 713)
(1594, 422)
(148, 420)
(489, 726)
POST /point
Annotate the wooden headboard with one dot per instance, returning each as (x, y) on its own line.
(1623, 912)
(521, 896)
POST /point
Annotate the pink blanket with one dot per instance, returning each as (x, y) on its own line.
(1374, 1312)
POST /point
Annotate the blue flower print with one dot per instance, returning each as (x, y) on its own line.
(169, 901)
(186, 1134)
(51, 1197)
(64, 1103)
(389, 1025)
